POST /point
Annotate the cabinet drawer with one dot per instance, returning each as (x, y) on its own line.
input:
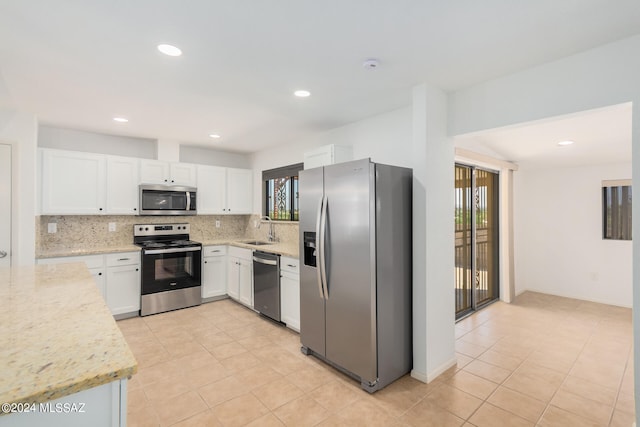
(289, 264)
(214, 251)
(92, 261)
(242, 253)
(123, 258)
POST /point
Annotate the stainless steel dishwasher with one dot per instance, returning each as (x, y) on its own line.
(266, 284)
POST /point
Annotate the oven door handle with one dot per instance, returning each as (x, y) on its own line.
(171, 251)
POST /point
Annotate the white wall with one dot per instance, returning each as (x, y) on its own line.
(205, 156)
(559, 248)
(385, 138)
(21, 131)
(78, 140)
(593, 79)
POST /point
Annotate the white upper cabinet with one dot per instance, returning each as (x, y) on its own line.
(224, 190)
(183, 174)
(327, 155)
(73, 183)
(153, 172)
(159, 172)
(212, 190)
(239, 191)
(122, 185)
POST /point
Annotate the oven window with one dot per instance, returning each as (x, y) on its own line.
(173, 268)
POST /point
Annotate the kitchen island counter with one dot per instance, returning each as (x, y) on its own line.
(81, 251)
(57, 336)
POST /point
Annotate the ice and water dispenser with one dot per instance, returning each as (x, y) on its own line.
(309, 248)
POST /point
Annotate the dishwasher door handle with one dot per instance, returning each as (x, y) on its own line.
(265, 261)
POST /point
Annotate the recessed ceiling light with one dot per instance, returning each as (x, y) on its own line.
(214, 136)
(120, 119)
(565, 143)
(170, 50)
(302, 93)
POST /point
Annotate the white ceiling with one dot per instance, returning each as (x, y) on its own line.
(78, 63)
(600, 136)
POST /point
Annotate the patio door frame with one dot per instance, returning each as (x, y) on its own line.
(495, 239)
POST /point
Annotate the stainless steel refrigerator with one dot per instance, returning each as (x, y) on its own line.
(355, 278)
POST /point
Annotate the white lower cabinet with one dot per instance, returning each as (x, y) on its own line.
(290, 292)
(214, 271)
(123, 282)
(117, 276)
(240, 275)
(100, 277)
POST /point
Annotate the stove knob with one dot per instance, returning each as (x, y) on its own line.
(146, 229)
(140, 228)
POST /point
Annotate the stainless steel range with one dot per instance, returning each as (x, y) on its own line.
(171, 267)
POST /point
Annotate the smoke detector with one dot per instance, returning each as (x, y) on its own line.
(371, 64)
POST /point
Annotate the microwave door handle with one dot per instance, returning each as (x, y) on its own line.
(188, 201)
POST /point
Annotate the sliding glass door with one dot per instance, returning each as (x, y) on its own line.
(476, 238)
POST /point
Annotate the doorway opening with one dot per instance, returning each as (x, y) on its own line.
(477, 266)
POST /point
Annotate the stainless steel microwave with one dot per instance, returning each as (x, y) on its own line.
(167, 200)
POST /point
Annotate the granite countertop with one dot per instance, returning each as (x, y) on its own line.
(286, 249)
(281, 248)
(57, 336)
(61, 252)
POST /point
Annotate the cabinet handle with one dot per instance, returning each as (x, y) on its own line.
(99, 274)
(124, 259)
(172, 181)
(291, 265)
(205, 262)
(137, 269)
(100, 208)
(135, 209)
(217, 250)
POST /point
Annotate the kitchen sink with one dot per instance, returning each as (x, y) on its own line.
(257, 243)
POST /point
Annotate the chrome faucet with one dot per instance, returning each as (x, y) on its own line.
(272, 236)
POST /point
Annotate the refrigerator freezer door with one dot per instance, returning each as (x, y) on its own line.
(312, 307)
(350, 265)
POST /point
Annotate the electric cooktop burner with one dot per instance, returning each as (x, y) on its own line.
(162, 236)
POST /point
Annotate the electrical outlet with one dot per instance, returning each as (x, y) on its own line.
(52, 227)
(217, 223)
(112, 226)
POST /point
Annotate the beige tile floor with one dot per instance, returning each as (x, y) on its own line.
(544, 360)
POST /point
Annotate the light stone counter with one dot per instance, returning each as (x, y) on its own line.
(286, 249)
(91, 250)
(57, 336)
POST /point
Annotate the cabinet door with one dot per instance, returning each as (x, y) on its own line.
(122, 185)
(123, 289)
(239, 191)
(100, 279)
(154, 172)
(212, 190)
(214, 276)
(290, 300)
(246, 282)
(233, 277)
(182, 174)
(72, 183)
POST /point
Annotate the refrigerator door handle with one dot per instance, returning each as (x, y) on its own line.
(323, 261)
(319, 248)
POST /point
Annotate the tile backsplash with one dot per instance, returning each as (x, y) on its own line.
(92, 231)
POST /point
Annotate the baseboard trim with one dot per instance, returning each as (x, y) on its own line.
(427, 378)
(559, 294)
(420, 376)
(441, 369)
